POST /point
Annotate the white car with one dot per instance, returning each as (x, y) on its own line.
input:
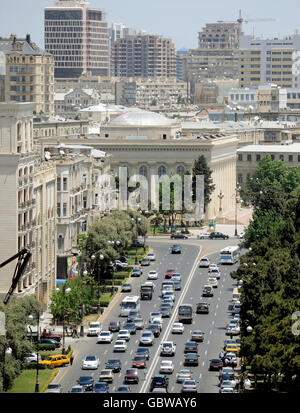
(120, 345)
(226, 390)
(152, 275)
(151, 256)
(203, 235)
(124, 335)
(215, 272)
(155, 315)
(178, 328)
(121, 264)
(166, 367)
(32, 358)
(241, 235)
(233, 329)
(170, 294)
(213, 267)
(204, 262)
(168, 348)
(105, 337)
(147, 338)
(90, 363)
(228, 383)
(95, 329)
(157, 321)
(183, 374)
(213, 281)
(176, 277)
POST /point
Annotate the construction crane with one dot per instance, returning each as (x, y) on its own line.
(23, 258)
(241, 20)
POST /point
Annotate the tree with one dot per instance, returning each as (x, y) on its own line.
(201, 168)
(156, 221)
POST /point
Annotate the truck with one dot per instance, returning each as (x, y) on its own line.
(95, 328)
(146, 291)
(50, 333)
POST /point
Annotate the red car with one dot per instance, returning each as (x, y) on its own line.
(169, 273)
(131, 376)
(139, 362)
(215, 364)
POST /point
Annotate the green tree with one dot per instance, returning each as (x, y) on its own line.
(200, 167)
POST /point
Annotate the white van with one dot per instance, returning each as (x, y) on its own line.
(95, 329)
(208, 291)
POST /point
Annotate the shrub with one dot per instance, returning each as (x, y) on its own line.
(32, 366)
(46, 347)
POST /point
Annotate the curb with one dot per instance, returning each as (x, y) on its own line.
(54, 374)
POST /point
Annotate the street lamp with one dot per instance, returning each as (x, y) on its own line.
(6, 352)
(237, 197)
(64, 291)
(39, 317)
(136, 220)
(101, 257)
(220, 196)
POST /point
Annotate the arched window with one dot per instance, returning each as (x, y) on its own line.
(143, 171)
(180, 170)
(162, 171)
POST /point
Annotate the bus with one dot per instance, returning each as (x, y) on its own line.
(185, 313)
(131, 302)
(230, 255)
(236, 295)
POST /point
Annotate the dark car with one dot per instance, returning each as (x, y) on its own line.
(165, 310)
(178, 236)
(126, 288)
(177, 285)
(114, 326)
(159, 380)
(145, 262)
(191, 347)
(130, 326)
(123, 389)
(136, 272)
(155, 329)
(87, 382)
(123, 259)
(114, 364)
(176, 249)
(132, 315)
(215, 364)
(218, 235)
(101, 387)
(191, 359)
(143, 351)
(226, 376)
(49, 341)
(202, 308)
(131, 376)
(139, 362)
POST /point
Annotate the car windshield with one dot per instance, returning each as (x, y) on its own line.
(139, 358)
(100, 385)
(147, 334)
(76, 390)
(53, 386)
(189, 382)
(130, 371)
(90, 358)
(184, 372)
(83, 379)
(94, 326)
(113, 361)
(105, 333)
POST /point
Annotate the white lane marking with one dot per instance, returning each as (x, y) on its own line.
(126, 362)
(205, 352)
(210, 332)
(203, 363)
(172, 388)
(200, 375)
(105, 352)
(208, 342)
(217, 306)
(213, 322)
(215, 314)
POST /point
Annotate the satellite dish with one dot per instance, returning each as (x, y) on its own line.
(47, 156)
(61, 152)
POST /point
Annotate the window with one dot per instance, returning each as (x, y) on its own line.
(180, 170)
(281, 157)
(162, 171)
(272, 157)
(143, 171)
(58, 183)
(240, 178)
(291, 158)
(60, 242)
(64, 209)
(58, 209)
(257, 157)
(249, 157)
(65, 184)
(240, 157)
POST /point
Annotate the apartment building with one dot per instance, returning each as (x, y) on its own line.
(143, 56)
(29, 74)
(43, 127)
(74, 99)
(269, 60)
(219, 35)
(77, 37)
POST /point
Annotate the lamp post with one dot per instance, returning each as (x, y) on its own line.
(100, 257)
(64, 291)
(249, 330)
(136, 220)
(84, 274)
(237, 197)
(6, 352)
(39, 317)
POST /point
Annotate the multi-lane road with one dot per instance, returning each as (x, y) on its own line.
(213, 324)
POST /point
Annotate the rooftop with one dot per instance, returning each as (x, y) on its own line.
(292, 148)
(142, 118)
(21, 46)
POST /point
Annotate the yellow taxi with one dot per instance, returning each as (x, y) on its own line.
(57, 360)
(232, 348)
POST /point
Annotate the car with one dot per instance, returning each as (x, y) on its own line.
(32, 358)
(231, 341)
(158, 381)
(152, 275)
(123, 259)
(114, 326)
(123, 389)
(100, 387)
(166, 367)
(228, 384)
(130, 326)
(191, 347)
(49, 341)
(178, 236)
(155, 315)
(218, 235)
(157, 321)
(204, 262)
(159, 390)
(155, 329)
(182, 375)
(232, 329)
(106, 375)
(77, 389)
(226, 377)
(191, 359)
(53, 388)
(94, 329)
(212, 281)
(202, 308)
(132, 315)
(151, 256)
(90, 363)
(234, 348)
(169, 273)
(176, 276)
(165, 310)
(207, 291)
(189, 386)
(241, 235)
(170, 294)
(57, 360)
(105, 337)
(121, 264)
(226, 390)
(215, 364)
(213, 267)
(177, 285)
(176, 249)
(236, 308)
(139, 323)
(167, 348)
(87, 382)
(114, 364)
(215, 272)
(226, 370)
(126, 288)
(131, 376)
(177, 328)
(197, 336)
(232, 359)
(139, 362)
(203, 235)
(166, 299)
(143, 351)
(147, 338)
(136, 272)
(120, 345)
(145, 262)
(123, 335)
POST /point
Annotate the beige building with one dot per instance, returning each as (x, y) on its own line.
(58, 127)
(29, 74)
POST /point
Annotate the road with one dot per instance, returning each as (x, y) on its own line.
(213, 324)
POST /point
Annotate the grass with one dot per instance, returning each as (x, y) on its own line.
(25, 383)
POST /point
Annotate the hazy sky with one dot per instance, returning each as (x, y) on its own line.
(180, 20)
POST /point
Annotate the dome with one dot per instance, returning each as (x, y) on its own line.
(142, 118)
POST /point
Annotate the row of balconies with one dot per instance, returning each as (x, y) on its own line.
(27, 204)
(26, 226)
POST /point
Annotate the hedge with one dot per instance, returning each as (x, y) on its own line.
(46, 347)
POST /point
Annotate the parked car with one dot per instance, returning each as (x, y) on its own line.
(49, 341)
(166, 367)
(51, 333)
(215, 364)
(197, 336)
(168, 348)
(114, 326)
(120, 345)
(151, 256)
(139, 362)
(54, 388)
(126, 287)
(105, 337)
(106, 375)
(182, 375)
(57, 360)
(87, 382)
(218, 235)
(191, 359)
(159, 380)
(114, 364)
(178, 236)
(204, 262)
(121, 264)
(189, 386)
(32, 358)
(203, 235)
(90, 363)
(101, 387)
(176, 249)
(131, 376)
(145, 262)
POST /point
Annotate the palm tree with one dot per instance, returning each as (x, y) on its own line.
(156, 221)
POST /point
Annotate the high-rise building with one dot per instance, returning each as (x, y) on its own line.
(77, 36)
(219, 35)
(143, 56)
(27, 74)
(269, 60)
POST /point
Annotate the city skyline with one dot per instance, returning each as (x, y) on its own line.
(30, 18)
